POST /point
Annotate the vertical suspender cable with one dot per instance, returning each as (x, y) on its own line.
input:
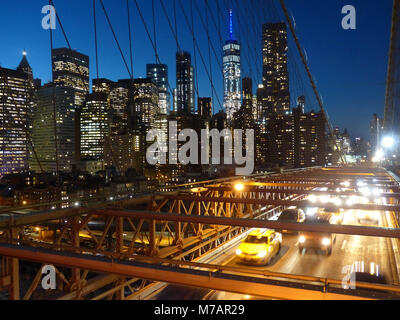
(54, 105)
(314, 86)
(95, 38)
(130, 37)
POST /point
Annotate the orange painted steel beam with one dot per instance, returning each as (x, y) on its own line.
(287, 203)
(303, 191)
(194, 278)
(254, 223)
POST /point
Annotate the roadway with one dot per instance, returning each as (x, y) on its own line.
(359, 252)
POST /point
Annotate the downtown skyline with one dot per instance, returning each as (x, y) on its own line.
(346, 100)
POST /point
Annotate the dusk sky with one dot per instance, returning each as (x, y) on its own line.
(349, 66)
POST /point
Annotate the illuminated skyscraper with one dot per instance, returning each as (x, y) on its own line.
(15, 108)
(145, 104)
(71, 69)
(184, 83)
(158, 73)
(43, 129)
(94, 125)
(232, 73)
(205, 107)
(275, 69)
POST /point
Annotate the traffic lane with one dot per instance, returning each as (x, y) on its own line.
(347, 250)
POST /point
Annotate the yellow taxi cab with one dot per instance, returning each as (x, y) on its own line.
(260, 247)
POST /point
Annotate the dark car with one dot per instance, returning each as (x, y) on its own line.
(317, 240)
(291, 216)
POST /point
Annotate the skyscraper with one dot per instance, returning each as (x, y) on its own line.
(94, 125)
(309, 138)
(231, 73)
(145, 104)
(275, 69)
(71, 69)
(158, 73)
(184, 83)
(205, 107)
(15, 108)
(43, 129)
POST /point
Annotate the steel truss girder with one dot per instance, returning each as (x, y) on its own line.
(183, 276)
(254, 223)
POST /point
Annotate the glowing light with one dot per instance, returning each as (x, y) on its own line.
(239, 187)
(326, 242)
(338, 202)
(313, 198)
(262, 254)
(324, 199)
(231, 24)
(388, 142)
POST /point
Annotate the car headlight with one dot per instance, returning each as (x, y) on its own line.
(302, 239)
(239, 252)
(326, 242)
(313, 198)
(262, 254)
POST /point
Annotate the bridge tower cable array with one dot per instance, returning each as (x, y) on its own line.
(313, 84)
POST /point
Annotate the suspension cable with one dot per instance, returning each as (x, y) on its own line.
(130, 37)
(54, 106)
(95, 38)
(311, 79)
(115, 37)
(201, 55)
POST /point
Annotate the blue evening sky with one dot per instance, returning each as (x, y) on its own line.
(349, 66)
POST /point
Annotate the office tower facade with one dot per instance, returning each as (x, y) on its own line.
(94, 124)
(124, 152)
(309, 138)
(119, 100)
(275, 69)
(231, 74)
(102, 85)
(43, 133)
(248, 98)
(71, 69)
(184, 83)
(204, 106)
(158, 73)
(145, 104)
(15, 109)
(25, 67)
(279, 135)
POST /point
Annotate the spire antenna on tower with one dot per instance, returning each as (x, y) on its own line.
(230, 24)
